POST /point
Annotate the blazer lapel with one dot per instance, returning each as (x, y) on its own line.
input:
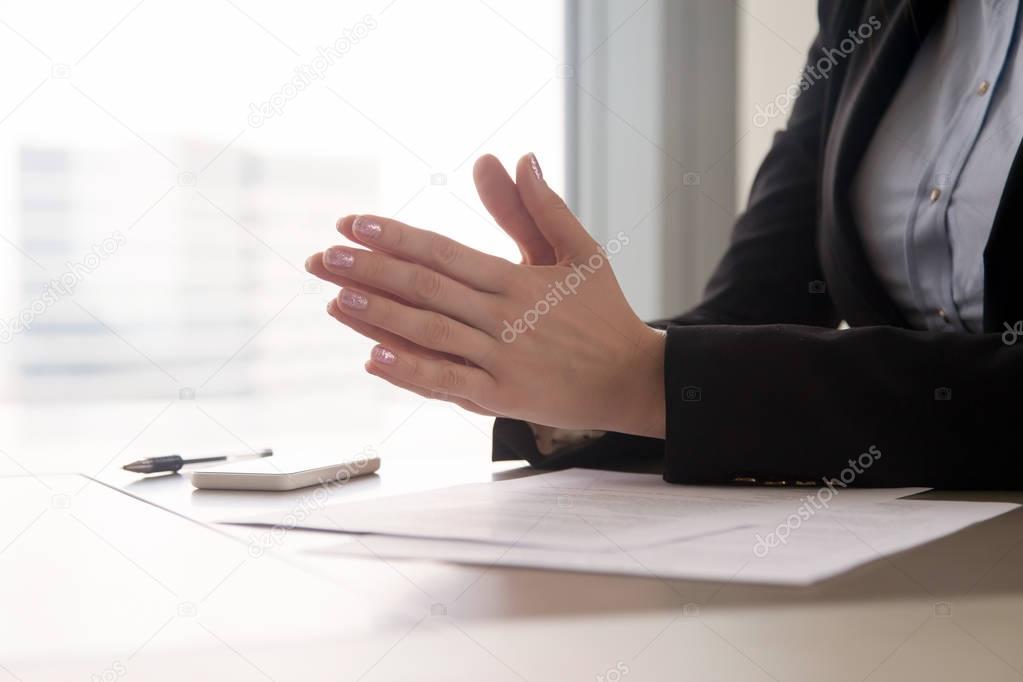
(873, 76)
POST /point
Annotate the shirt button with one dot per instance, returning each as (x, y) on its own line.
(983, 88)
(935, 194)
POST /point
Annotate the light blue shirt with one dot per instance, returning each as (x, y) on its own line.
(930, 182)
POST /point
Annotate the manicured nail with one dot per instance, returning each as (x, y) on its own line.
(383, 355)
(535, 165)
(354, 300)
(339, 258)
(366, 227)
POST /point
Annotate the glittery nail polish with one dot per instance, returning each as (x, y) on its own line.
(383, 355)
(354, 300)
(535, 165)
(366, 227)
(339, 258)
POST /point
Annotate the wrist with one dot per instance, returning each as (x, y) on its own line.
(641, 404)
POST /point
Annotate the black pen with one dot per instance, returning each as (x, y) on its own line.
(152, 465)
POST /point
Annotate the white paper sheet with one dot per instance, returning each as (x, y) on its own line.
(573, 510)
(825, 544)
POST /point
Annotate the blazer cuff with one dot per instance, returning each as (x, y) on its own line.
(724, 404)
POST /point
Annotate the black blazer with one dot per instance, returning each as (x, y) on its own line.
(760, 384)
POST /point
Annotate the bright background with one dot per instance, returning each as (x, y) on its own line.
(135, 118)
(130, 122)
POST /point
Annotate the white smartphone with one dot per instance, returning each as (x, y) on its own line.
(282, 473)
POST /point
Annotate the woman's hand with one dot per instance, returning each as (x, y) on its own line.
(552, 340)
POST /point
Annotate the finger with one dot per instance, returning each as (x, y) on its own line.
(501, 198)
(390, 340)
(411, 282)
(344, 225)
(422, 327)
(314, 266)
(439, 376)
(426, 393)
(383, 336)
(439, 253)
(554, 219)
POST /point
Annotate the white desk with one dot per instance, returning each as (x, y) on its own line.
(152, 595)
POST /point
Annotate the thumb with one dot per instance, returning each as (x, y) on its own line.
(550, 213)
(501, 198)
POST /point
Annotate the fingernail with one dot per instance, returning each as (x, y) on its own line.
(354, 300)
(366, 227)
(339, 258)
(383, 355)
(535, 165)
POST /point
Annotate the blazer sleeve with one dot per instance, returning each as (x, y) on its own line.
(793, 402)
